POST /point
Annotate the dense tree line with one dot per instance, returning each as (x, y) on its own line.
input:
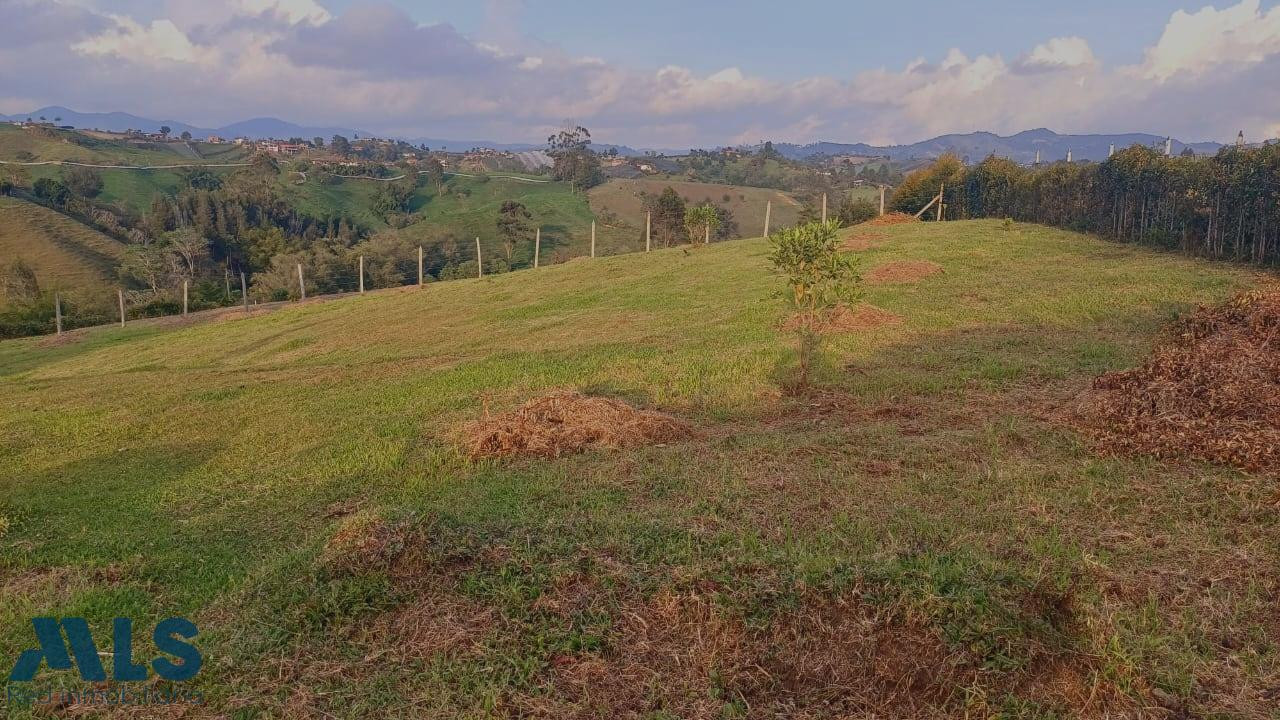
(1225, 206)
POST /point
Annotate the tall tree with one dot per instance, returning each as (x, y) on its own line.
(668, 216)
(573, 159)
(513, 226)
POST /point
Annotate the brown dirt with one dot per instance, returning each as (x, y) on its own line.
(903, 271)
(565, 422)
(893, 218)
(1210, 390)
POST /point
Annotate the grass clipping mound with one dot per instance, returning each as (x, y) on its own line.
(565, 422)
(903, 271)
(1211, 391)
(893, 218)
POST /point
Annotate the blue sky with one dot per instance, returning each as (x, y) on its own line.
(793, 40)
(659, 73)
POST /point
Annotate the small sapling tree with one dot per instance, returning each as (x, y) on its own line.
(701, 222)
(819, 280)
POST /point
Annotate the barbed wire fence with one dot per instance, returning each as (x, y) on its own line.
(313, 283)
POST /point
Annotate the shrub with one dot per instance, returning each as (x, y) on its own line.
(819, 280)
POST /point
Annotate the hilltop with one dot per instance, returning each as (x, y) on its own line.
(923, 535)
(63, 253)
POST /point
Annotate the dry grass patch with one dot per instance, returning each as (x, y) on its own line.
(364, 541)
(893, 218)
(565, 422)
(905, 271)
(845, 319)
(1210, 390)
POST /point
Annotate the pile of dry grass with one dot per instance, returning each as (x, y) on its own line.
(861, 240)
(565, 422)
(1210, 391)
(893, 218)
(844, 319)
(364, 541)
(904, 271)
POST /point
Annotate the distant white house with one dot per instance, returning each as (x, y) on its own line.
(214, 140)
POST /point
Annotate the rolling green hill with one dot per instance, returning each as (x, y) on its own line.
(925, 535)
(625, 198)
(65, 254)
(46, 144)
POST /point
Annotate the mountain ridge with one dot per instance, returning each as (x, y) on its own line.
(1020, 147)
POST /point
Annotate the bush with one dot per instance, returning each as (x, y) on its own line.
(819, 280)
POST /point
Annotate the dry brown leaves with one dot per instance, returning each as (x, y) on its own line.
(565, 422)
(903, 271)
(1210, 391)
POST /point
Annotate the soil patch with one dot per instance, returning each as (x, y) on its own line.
(565, 422)
(1210, 390)
(904, 271)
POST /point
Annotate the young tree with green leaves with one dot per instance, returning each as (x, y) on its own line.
(819, 279)
(701, 222)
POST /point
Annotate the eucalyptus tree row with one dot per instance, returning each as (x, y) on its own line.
(1225, 206)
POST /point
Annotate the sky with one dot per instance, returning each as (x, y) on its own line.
(659, 73)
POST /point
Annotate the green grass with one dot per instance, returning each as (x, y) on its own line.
(64, 253)
(469, 209)
(67, 145)
(625, 199)
(194, 470)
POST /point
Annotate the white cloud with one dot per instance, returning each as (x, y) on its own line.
(158, 40)
(1064, 52)
(1211, 73)
(1194, 42)
(293, 10)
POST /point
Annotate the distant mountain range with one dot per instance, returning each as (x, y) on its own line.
(257, 128)
(1021, 147)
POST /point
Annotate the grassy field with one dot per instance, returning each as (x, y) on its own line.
(58, 145)
(469, 209)
(63, 253)
(923, 537)
(625, 198)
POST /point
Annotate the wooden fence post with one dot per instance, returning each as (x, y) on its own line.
(537, 247)
(824, 207)
(941, 190)
(479, 261)
(302, 284)
(706, 233)
(361, 274)
(244, 291)
(57, 312)
(226, 283)
(768, 210)
(120, 296)
(184, 298)
(648, 224)
(882, 200)
(419, 266)
(593, 238)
